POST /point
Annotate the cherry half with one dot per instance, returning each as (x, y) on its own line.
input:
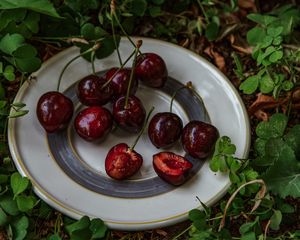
(91, 92)
(93, 123)
(171, 167)
(131, 117)
(151, 70)
(120, 80)
(54, 111)
(198, 138)
(165, 129)
(122, 162)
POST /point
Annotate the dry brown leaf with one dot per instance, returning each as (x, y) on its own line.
(262, 102)
(161, 232)
(261, 115)
(247, 4)
(219, 60)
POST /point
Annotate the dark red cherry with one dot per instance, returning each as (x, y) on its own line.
(121, 162)
(90, 91)
(93, 123)
(171, 167)
(132, 117)
(120, 81)
(164, 129)
(198, 138)
(151, 70)
(54, 111)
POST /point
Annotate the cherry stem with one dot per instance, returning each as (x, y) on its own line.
(173, 97)
(115, 41)
(142, 130)
(136, 51)
(190, 87)
(114, 16)
(92, 49)
(116, 72)
(93, 62)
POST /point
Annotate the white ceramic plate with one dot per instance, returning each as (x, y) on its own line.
(36, 158)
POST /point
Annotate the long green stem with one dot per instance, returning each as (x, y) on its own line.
(93, 62)
(183, 232)
(114, 15)
(116, 72)
(173, 97)
(115, 41)
(143, 129)
(131, 74)
(94, 48)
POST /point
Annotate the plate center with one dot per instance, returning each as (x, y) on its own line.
(94, 154)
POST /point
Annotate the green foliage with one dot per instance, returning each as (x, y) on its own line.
(86, 229)
(268, 38)
(26, 24)
(278, 155)
(40, 6)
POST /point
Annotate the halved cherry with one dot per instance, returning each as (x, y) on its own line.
(171, 167)
(122, 162)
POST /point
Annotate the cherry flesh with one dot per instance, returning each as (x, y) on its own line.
(171, 167)
(151, 70)
(120, 82)
(132, 117)
(90, 91)
(165, 129)
(121, 162)
(93, 123)
(54, 111)
(198, 138)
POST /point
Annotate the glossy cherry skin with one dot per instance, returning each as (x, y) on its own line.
(132, 117)
(198, 138)
(90, 91)
(121, 162)
(54, 111)
(165, 129)
(171, 167)
(120, 81)
(151, 70)
(93, 123)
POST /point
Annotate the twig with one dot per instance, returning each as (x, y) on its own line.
(261, 194)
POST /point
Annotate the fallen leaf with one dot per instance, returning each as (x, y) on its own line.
(247, 4)
(261, 115)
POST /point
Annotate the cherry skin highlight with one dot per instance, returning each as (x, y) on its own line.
(120, 82)
(165, 129)
(132, 117)
(151, 70)
(90, 91)
(93, 123)
(54, 111)
(198, 138)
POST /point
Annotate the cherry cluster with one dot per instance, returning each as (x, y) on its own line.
(118, 86)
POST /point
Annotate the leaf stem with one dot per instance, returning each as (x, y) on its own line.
(94, 48)
(183, 232)
(203, 11)
(142, 130)
(139, 43)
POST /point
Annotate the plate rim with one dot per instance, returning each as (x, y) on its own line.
(49, 199)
